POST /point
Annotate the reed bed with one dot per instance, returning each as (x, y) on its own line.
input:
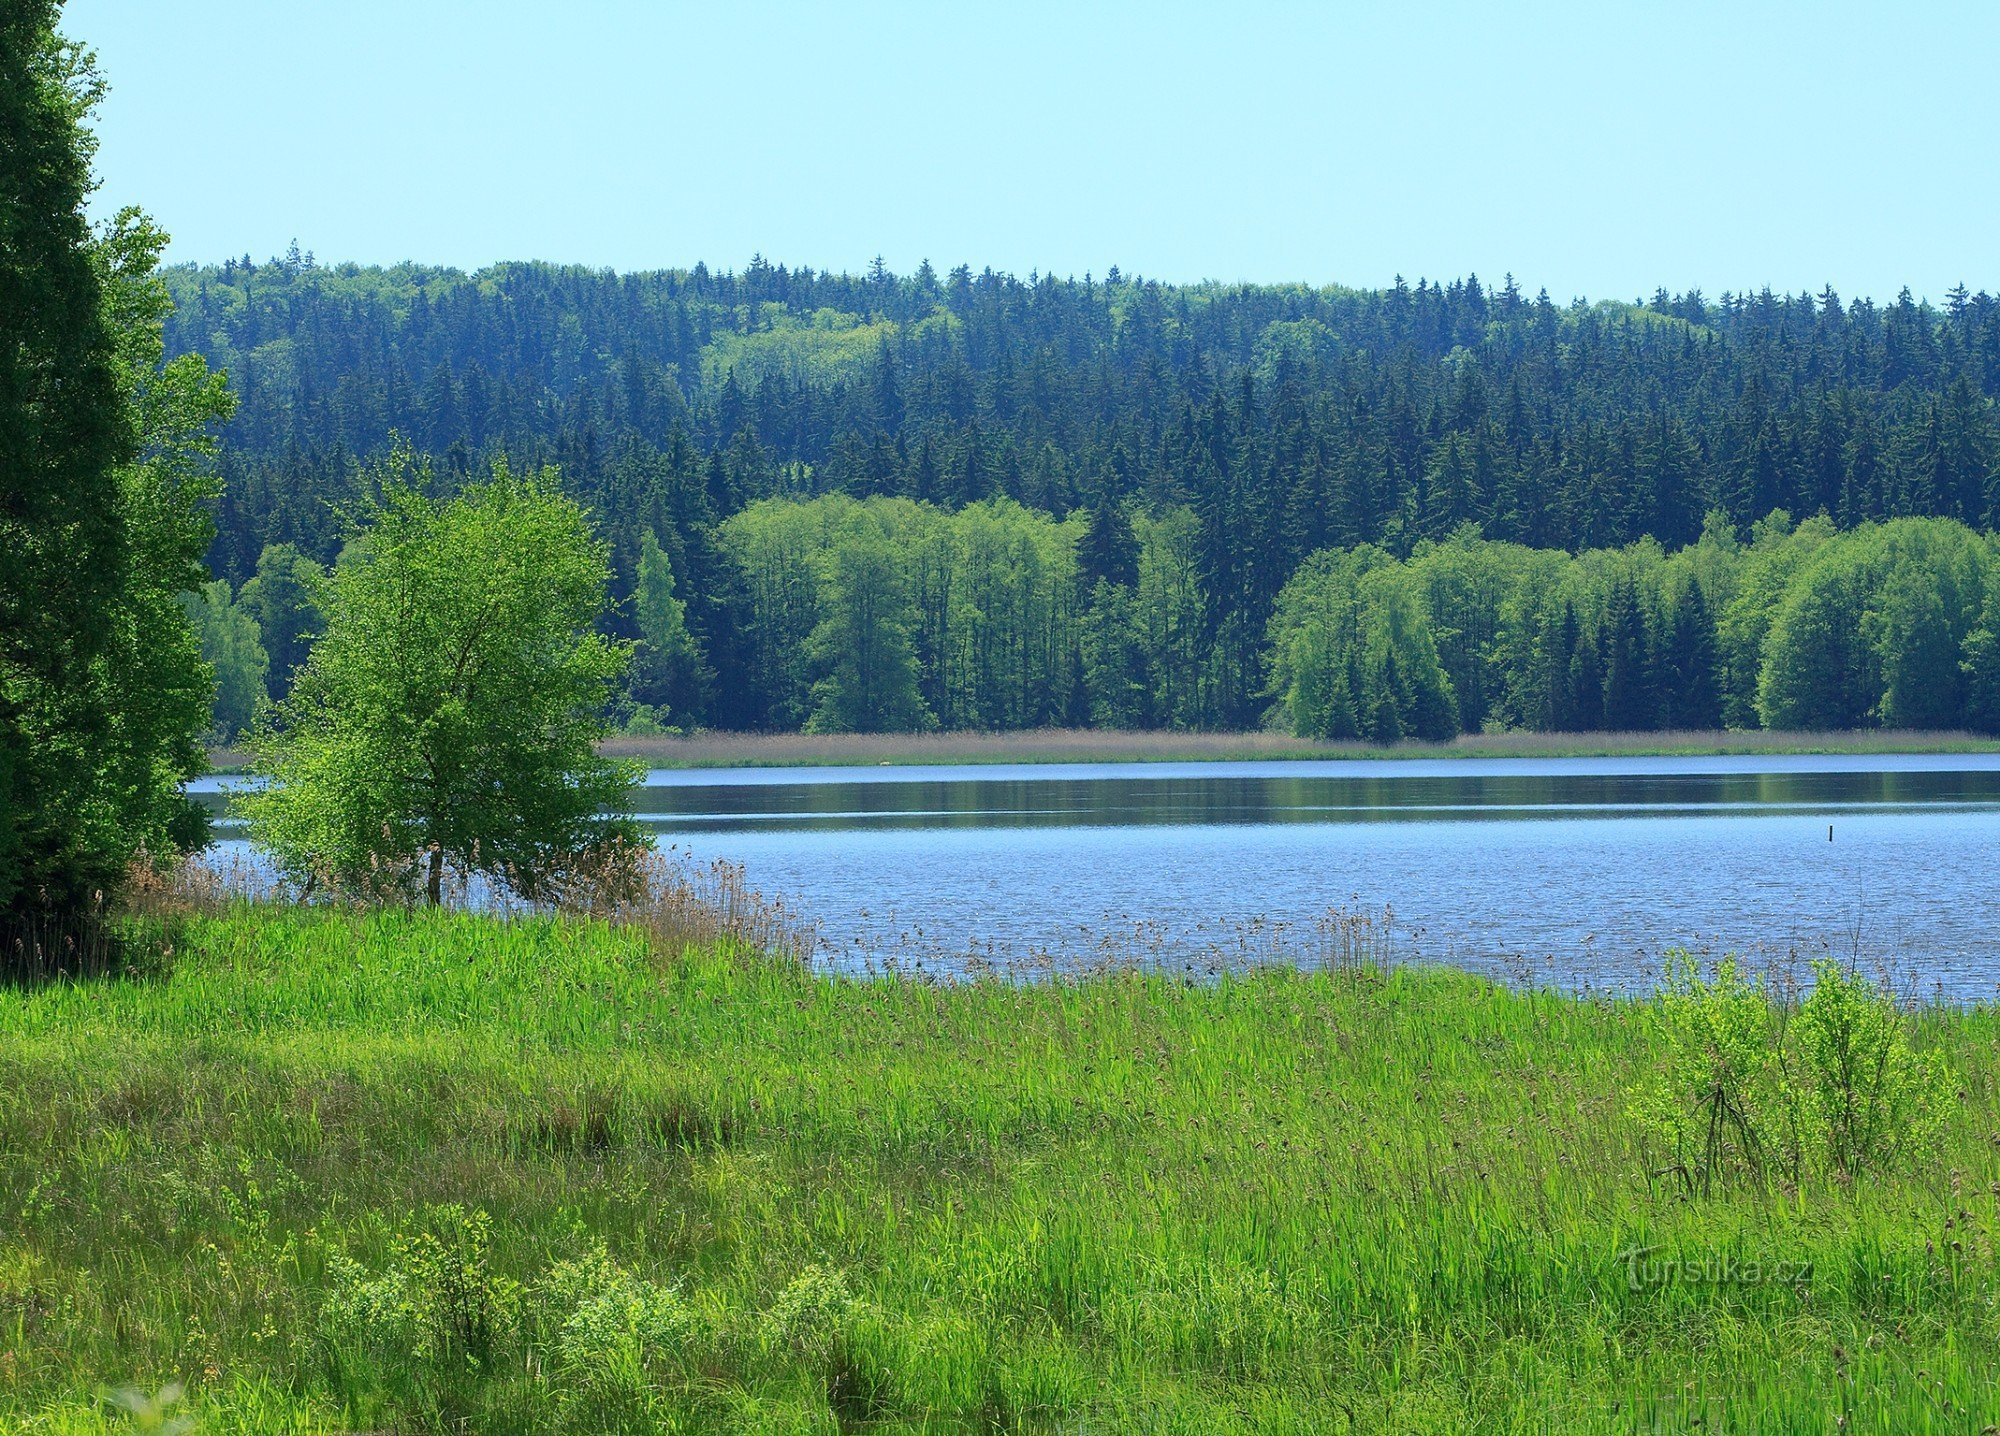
(1091, 745)
(344, 1171)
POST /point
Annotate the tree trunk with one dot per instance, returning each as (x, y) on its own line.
(435, 886)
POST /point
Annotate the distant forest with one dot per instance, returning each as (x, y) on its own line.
(1073, 436)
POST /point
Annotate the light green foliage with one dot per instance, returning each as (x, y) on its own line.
(446, 718)
(890, 615)
(1170, 615)
(824, 347)
(1870, 1102)
(1764, 570)
(1804, 628)
(1981, 666)
(151, 676)
(1719, 1103)
(1874, 629)
(618, 1340)
(1125, 1203)
(668, 673)
(436, 1301)
(1750, 1091)
(1353, 654)
(862, 650)
(280, 598)
(230, 647)
(813, 1314)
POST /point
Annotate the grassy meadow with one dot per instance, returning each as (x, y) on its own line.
(334, 1172)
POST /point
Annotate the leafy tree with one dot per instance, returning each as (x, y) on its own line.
(151, 677)
(1981, 667)
(280, 599)
(63, 434)
(668, 675)
(232, 650)
(862, 648)
(1817, 672)
(1353, 653)
(446, 718)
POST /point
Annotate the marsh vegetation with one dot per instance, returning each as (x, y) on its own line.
(423, 1171)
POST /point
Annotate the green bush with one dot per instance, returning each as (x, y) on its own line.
(1750, 1090)
(438, 1300)
(1865, 1099)
(618, 1340)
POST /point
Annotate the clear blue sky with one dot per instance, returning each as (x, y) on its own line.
(1598, 148)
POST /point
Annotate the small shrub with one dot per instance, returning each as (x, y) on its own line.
(438, 1299)
(1869, 1102)
(1718, 1094)
(1837, 1089)
(617, 1339)
(810, 1314)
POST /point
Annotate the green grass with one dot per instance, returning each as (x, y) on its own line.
(344, 1174)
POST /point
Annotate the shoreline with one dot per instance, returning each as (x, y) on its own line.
(787, 750)
(1087, 745)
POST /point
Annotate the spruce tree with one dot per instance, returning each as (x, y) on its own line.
(1629, 704)
(63, 434)
(1109, 550)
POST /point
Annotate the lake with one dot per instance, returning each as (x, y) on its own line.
(1571, 872)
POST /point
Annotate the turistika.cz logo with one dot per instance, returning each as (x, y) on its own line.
(1645, 1271)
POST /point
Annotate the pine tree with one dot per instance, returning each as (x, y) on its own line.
(1585, 706)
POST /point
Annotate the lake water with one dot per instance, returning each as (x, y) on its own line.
(1574, 872)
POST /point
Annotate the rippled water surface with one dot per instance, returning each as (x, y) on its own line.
(1573, 871)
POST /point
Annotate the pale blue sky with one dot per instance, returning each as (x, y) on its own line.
(1595, 148)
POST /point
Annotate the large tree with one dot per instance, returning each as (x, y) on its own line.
(446, 718)
(104, 470)
(63, 433)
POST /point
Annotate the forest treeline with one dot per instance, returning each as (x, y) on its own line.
(1258, 424)
(892, 614)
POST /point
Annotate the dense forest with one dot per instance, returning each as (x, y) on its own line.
(972, 500)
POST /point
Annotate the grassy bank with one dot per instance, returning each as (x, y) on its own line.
(1090, 745)
(425, 1173)
(727, 750)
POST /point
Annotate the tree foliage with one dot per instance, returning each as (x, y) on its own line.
(1884, 626)
(445, 720)
(1279, 420)
(106, 476)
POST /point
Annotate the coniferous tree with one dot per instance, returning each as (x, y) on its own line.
(104, 471)
(1690, 696)
(1630, 704)
(62, 436)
